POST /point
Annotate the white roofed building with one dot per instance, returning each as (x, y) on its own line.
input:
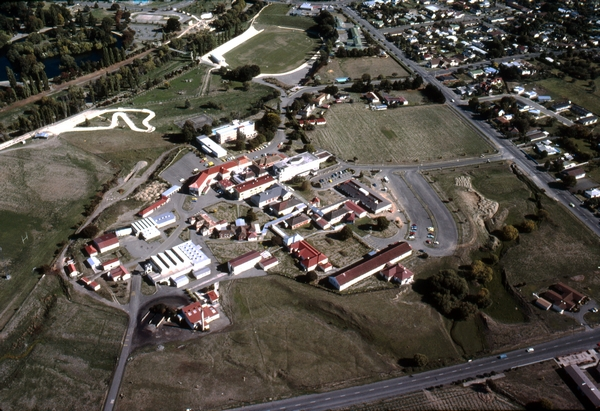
(299, 165)
(210, 147)
(229, 132)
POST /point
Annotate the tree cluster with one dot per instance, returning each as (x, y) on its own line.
(434, 94)
(448, 292)
(241, 73)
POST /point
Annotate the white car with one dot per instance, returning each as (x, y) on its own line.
(530, 349)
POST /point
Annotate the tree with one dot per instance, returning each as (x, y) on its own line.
(382, 223)
(345, 233)
(188, 132)
(333, 90)
(569, 180)
(187, 103)
(481, 272)
(240, 141)
(309, 148)
(482, 299)
(542, 215)
(305, 186)
(420, 360)
(89, 231)
(464, 310)
(172, 25)
(312, 277)
(270, 121)
(509, 233)
(251, 216)
(528, 226)
(206, 129)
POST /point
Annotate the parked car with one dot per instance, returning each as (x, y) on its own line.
(430, 236)
(594, 310)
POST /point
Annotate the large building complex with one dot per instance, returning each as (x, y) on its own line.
(229, 132)
(178, 262)
(299, 165)
(207, 177)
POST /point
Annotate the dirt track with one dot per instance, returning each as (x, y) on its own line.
(79, 80)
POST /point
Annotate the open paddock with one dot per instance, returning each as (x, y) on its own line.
(275, 50)
(402, 135)
(356, 67)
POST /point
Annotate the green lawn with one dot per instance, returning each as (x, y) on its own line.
(275, 50)
(233, 101)
(189, 85)
(578, 91)
(277, 15)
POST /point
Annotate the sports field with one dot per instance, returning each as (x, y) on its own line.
(277, 15)
(407, 134)
(275, 50)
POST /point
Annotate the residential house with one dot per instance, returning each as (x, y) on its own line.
(393, 101)
(592, 193)
(90, 250)
(560, 107)
(198, 315)
(72, 270)
(267, 264)
(576, 172)
(588, 121)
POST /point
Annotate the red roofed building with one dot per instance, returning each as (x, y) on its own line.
(198, 316)
(358, 210)
(90, 250)
(72, 270)
(110, 264)
(106, 242)
(309, 256)
(398, 274)
(247, 190)
(153, 207)
(244, 262)
(212, 296)
(207, 177)
(268, 263)
(356, 272)
(119, 274)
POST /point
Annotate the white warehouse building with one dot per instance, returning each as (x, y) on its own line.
(181, 260)
(210, 147)
(299, 165)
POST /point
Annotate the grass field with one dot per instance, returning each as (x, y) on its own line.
(356, 67)
(408, 134)
(577, 91)
(185, 86)
(561, 249)
(45, 187)
(287, 338)
(59, 353)
(340, 253)
(171, 109)
(275, 50)
(277, 15)
(122, 147)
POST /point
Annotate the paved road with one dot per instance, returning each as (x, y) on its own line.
(132, 310)
(403, 385)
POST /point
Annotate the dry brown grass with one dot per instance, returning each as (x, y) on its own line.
(61, 353)
(286, 338)
(340, 253)
(448, 398)
(534, 382)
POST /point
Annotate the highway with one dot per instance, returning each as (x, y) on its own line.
(398, 386)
